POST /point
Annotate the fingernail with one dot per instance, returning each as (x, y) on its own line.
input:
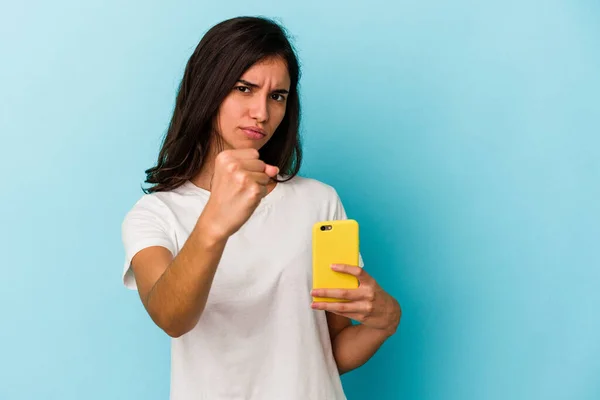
(335, 266)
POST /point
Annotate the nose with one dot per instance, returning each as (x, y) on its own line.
(259, 109)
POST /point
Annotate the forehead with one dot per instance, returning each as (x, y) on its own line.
(271, 71)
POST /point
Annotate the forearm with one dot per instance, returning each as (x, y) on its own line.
(356, 344)
(177, 299)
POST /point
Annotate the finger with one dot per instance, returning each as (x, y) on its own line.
(256, 165)
(354, 270)
(271, 170)
(342, 294)
(259, 177)
(244, 154)
(253, 165)
(359, 307)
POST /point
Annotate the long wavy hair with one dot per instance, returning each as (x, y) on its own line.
(225, 52)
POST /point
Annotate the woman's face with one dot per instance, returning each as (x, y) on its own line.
(253, 110)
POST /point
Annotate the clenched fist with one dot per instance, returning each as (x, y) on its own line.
(239, 183)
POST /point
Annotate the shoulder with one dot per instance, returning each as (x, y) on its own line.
(313, 188)
(152, 202)
(312, 194)
(151, 209)
(163, 204)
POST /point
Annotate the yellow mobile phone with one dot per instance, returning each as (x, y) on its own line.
(334, 242)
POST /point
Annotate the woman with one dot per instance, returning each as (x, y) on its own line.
(219, 247)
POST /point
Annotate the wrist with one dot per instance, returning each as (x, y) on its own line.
(211, 232)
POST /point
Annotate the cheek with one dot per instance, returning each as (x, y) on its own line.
(277, 114)
(230, 112)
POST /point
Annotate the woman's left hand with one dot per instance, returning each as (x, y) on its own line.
(369, 304)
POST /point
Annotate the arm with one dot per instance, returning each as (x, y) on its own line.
(353, 345)
(379, 315)
(174, 290)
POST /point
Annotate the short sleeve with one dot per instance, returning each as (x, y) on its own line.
(144, 226)
(339, 213)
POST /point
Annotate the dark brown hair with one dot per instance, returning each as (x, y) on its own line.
(225, 52)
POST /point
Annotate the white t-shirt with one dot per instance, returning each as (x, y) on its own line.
(257, 338)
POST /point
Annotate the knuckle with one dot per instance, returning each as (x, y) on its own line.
(240, 177)
(232, 166)
(255, 191)
(369, 308)
(223, 157)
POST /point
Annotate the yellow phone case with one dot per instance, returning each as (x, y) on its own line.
(334, 242)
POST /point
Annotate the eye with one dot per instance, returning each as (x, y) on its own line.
(243, 89)
(278, 97)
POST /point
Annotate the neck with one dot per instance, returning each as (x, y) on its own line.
(203, 179)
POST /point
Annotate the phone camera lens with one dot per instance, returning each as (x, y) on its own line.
(323, 228)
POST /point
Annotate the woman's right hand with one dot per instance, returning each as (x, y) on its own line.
(239, 183)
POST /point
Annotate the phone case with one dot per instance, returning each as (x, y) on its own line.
(337, 245)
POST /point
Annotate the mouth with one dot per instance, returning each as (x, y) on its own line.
(254, 132)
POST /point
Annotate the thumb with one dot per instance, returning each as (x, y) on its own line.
(271, 170)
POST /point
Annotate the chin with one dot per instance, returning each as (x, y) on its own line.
(251, 144)
(247, 145)
(240, 143)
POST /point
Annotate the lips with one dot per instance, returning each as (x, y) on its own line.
(254, 132)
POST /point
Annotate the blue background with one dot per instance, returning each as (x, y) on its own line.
(463, 136)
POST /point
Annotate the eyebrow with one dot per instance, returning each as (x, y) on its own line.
(254, 85)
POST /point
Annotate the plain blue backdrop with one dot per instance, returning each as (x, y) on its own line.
(463, 136)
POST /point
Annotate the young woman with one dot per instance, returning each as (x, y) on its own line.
(219, 247)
